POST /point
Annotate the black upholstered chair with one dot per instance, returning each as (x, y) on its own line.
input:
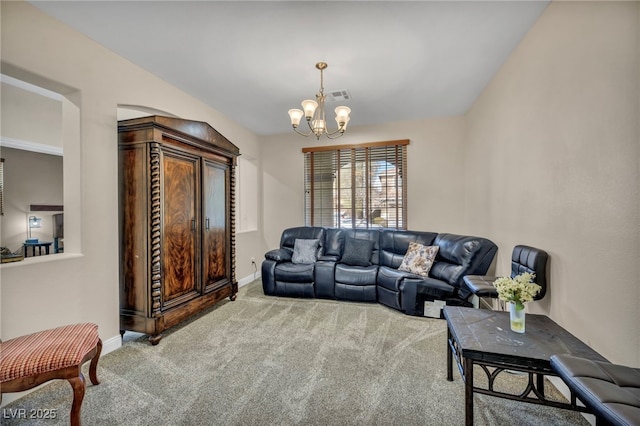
(610, 391)
(523, 259)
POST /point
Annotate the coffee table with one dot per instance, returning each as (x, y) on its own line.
(483, 337)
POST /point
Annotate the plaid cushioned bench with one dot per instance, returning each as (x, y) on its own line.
(58, 353)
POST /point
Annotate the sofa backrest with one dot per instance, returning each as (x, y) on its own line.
(394, 244)
(333, 242)
(460, 255)
(289, 236)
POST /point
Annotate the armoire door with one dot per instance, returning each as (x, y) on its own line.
(215, 234)
(180, 225)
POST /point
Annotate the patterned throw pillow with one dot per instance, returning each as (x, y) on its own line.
(305, 251)
(418, 259)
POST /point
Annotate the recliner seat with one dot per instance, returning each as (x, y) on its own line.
(285, 278)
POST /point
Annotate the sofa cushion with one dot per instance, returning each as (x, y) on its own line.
(357, 276)
(305, 251)
(450, 273)
(457, 249)
(357, 252)
(362, 293)
(418, 259)
(294, 272)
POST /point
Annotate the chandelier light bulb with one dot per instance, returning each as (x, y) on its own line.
(296, 116)
(342, 125)
(342, 114)
(309, 107)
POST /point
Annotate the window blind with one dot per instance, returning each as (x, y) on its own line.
(356, 186)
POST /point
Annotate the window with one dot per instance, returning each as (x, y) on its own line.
(356, 186)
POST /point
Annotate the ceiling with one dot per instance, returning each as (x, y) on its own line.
(253, 61)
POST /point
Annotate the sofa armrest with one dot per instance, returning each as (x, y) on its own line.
(324, 278)
(278, 255)
(481, 285)
(409, 292)
(268, 276)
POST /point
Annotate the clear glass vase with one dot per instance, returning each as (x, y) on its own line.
(517, 317)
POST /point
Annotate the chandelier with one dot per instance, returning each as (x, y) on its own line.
(314, 114)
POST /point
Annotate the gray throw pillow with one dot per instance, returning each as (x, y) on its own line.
(305, 251)
(357, 252)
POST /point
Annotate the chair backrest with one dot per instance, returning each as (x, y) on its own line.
(534, 261)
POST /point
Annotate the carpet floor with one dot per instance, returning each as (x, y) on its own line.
(277, 361)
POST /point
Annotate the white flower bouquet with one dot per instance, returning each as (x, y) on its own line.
(519, 289)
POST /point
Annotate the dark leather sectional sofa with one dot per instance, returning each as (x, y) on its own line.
(380, 281)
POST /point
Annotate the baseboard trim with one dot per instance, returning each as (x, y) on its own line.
(111, 344)
(248, 279)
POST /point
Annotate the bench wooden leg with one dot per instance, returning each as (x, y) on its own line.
(93, 368)
(78, 385)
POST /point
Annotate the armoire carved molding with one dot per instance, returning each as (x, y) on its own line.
(177, 221)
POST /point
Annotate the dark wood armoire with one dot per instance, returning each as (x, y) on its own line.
(177, 221)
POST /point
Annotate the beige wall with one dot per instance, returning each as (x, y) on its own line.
(554, 146)
(436, 181)
(82, 285)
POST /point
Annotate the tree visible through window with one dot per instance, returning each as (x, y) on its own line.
(356, 186)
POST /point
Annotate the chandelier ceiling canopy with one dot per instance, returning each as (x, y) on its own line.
(313, 112)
